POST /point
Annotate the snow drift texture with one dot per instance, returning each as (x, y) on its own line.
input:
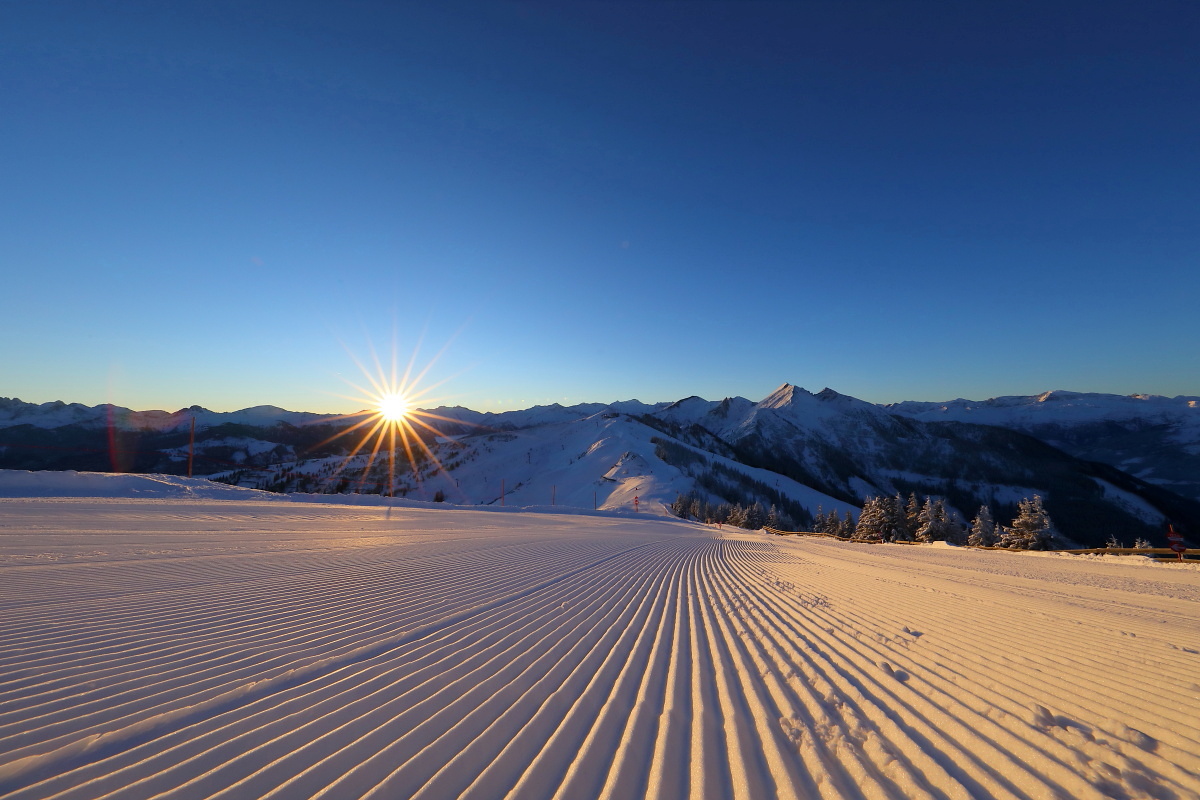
(212, 649)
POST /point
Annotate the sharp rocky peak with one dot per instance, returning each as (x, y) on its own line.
(785, 395)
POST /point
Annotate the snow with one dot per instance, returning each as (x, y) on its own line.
(798, 405)
(788, 407)
(58, 414)
(1060, 407)
(602, 461)
(1132, 503)
(21, 483)
(190, 647)
(539, 415)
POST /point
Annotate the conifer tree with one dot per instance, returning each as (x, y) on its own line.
(925, 521)
(819, 524)
(1032, 529)
(935, 526)
(983, 529)
(772, 520)
(871, 521)
(847, 528)
(912, 515)
(680, 506)
(956, 529)
(755, 516)
(894, 523)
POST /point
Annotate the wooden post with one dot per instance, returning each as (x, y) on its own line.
(192, 447)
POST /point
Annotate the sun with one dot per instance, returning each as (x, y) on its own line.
(393, 406)
(393, 426)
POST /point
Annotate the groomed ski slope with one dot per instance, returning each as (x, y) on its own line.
(217, 649)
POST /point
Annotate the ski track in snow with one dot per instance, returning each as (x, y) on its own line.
(205, 649)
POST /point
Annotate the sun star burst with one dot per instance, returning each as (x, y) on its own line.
(393, 407)
(392, 423)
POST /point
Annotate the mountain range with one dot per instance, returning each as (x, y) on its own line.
(1107, 465)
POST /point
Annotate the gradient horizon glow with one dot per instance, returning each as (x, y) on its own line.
(206, 202)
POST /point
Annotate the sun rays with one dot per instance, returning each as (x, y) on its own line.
(392, 423)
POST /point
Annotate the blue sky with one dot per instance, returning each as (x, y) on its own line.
(210, 202)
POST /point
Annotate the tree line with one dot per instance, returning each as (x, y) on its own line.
(752, 516)
(893, 519)
(741, 500)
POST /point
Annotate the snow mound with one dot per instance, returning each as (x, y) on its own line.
(69, 483)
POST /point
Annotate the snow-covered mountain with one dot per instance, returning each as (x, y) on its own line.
(1060, 406)
(794, 449)
(601, 461)
(1153, 437)
(58, 414)
(530, 417)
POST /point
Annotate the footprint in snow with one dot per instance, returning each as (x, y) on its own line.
(898, 674)
(1042, 718)
(1139, 739)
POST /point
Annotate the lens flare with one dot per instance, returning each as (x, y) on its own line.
(392, 425)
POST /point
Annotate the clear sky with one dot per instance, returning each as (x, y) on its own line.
(210, 202)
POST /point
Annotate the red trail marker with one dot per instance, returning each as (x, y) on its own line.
(1175, 541)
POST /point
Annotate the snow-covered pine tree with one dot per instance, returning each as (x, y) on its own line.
(912, 515)
(956, 529)
(846, 530)
(983, 529)
(1032, 529)
(865, 528)
(925, 521)
(895, 525)
(755, 516)
(948, 527)
(772, 520)
(935, 525)
(737, 515)
(819, 524)
(680, 507)
(871, 521)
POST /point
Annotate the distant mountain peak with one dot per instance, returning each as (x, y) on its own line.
(687, 400)
(1057, 395)
(785, 395)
